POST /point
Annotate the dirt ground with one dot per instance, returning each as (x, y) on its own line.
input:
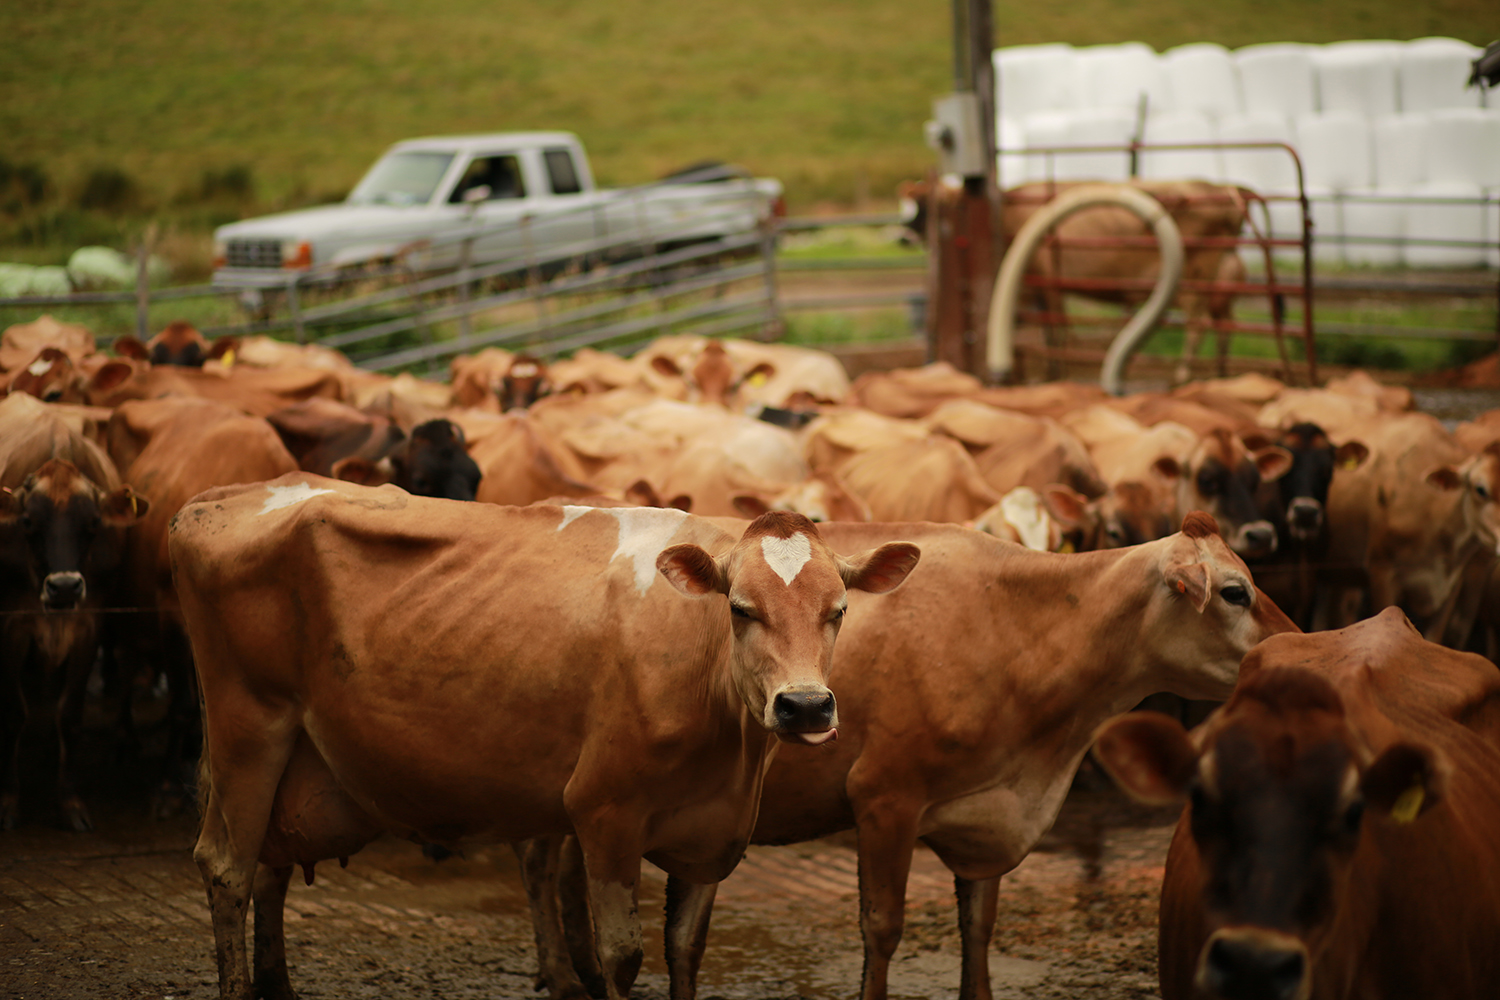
(120, 912)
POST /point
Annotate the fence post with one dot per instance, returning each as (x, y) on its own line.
(143, 283)
(294, 304)
(774, 328)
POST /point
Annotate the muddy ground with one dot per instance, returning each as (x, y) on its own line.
(120, 912)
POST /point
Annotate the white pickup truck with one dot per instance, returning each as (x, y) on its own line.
(526, 196)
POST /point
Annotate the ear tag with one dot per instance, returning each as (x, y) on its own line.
(757, 380)
(135, 507)
(1067, 547)
(1408, 804)
(1349, 463)
(227, 359)
(1181, 587)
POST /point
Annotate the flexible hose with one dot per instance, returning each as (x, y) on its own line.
(1000, 348)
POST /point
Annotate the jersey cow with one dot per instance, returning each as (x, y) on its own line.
(969, 698)
(344, 634)
(62, 516)
(1339, 838)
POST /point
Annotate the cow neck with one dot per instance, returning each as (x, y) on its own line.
(1078, 634)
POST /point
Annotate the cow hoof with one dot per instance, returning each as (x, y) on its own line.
(77, 816)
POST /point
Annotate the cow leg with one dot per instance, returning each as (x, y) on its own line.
(76, 667)
(978, 901)
(236, 812)
(271, 979)
(613, 871)
(689, 907)
(578, 922)
(1192, 335)
(13, 714)
(540, 860)
(887, 837)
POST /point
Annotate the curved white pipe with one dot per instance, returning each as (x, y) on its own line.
(1000, 347)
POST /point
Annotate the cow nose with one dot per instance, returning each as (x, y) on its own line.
(1258, 539)
(62, 590)
(804, 711)
(1239, 969)
(1305, 516)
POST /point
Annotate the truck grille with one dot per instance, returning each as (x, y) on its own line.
(254, 253)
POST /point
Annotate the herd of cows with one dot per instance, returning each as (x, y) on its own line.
(608, 609)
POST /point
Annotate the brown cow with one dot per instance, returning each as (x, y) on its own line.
(1339, 841)
(179, 343)
(343, 631)
(969, 698)
(62, 516)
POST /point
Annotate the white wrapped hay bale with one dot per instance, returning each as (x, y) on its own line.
(1463, 146)
(1336, 150)
(1358, 77)
(1184, 127)
(1202, 77)
(1452, 214)
(101, 269)
(1034, 78)
(1083, 127)
(1118, 76)
(1433, 73)
(1277, 78)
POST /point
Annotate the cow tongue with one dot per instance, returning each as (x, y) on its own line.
(810, 739)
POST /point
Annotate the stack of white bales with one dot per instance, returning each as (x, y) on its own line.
(1394, 149)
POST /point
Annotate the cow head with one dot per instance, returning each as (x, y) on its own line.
(432, 462)
(179, 343)
(1301, 493)
(524, 382)
(1221, 476)
(67, 527)
(1479, 481)
(51, 377)
(787, 598)
(1281, 790)
(1133, 511)
(1208, 613)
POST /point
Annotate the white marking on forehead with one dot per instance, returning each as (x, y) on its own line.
(1023, 510)
(644, 532)
(786, 556)
(40, 367)
(286, 496)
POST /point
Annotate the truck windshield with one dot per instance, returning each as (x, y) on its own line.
(401, 179)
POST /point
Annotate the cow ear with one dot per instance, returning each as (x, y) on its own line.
(881, 570)
(1068, 507)
(110, 376)
(224, 349)
(1191, 580)
(1444, 478)
(692, 570)
(1350, 455)
(641, 494)
(122, 507)
(750, 506)
(1273, 463)
(130, 347)
(1403, 782)
(664, 365)
(759, 375)
(1149, 755)
(10, 507)
(1256, 440)
(363, 471)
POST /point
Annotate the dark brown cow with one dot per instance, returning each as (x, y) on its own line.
(62, 514)
(432, 462)
(1340, 837)
(1222, 476)
(344, 635)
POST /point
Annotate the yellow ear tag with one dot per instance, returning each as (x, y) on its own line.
(134, 507)
(758, 379)
(227, 359)
(1349, 463)
(1066, 547)
(1408, 804)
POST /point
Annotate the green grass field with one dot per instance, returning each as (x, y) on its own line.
(830, 97)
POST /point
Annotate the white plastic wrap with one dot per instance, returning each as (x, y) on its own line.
(1202, 77)
(1336, 150)
(1118, 75)
(1277, 78)
(1035, 78)
(1181, 127)
(1359, 77)
(1457, 220)
(1433, 73)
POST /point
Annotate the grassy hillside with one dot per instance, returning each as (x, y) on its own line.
(241, 106)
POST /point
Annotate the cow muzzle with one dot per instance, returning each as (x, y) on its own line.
(805, 716)
(63, 591)
(1304, 518)
(1252, 964)
(1255, 540)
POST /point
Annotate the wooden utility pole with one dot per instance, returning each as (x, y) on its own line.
(964, 237)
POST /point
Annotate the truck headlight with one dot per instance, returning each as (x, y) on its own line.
(296, 255)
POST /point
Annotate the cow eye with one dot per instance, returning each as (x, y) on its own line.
(838, 615)
(1206, 483)
(1482, 490)
(739, 611)
(1236, 595)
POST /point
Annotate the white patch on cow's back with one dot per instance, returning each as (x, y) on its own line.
(786, 556)
(1023, 510)
(644, 532)
(286, 496)
(40, 367)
